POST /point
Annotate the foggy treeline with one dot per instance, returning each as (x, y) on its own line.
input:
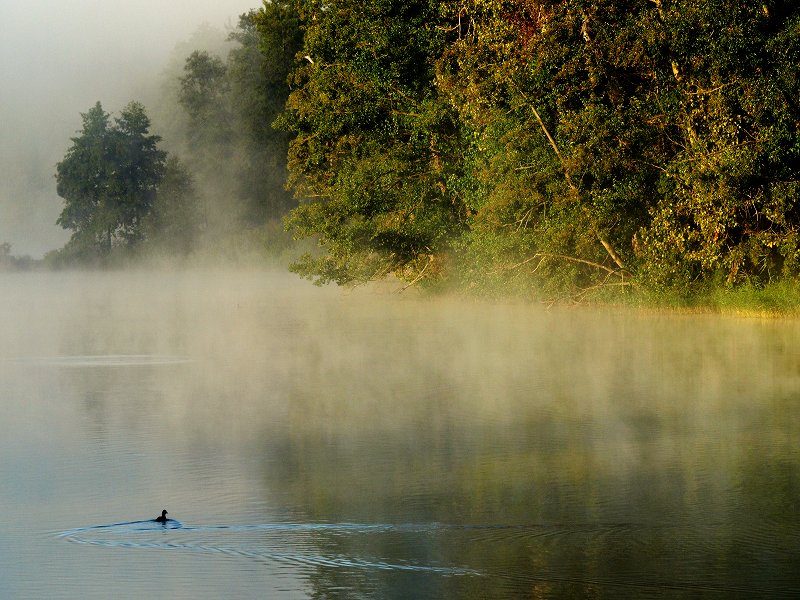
(205, 174)
(548, 147)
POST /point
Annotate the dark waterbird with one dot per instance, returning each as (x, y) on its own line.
(163, 518)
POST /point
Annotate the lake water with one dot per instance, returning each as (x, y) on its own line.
(314, 443)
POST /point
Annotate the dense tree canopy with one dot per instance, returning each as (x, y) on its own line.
(563, 144)
(373, 143)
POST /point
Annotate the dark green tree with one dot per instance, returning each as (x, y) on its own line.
(559, 171)
(204, 95)
(108, 180)
(138, 168)
(373, 145)
(82, 181)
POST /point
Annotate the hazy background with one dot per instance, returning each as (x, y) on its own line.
(58, 59)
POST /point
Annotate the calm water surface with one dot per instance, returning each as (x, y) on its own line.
(318, 444)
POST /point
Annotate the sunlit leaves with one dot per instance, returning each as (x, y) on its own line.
(373, 145)
(732, 209)
(657, 140)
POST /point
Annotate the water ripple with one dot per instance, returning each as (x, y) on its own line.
(131, 535)
(310, 545)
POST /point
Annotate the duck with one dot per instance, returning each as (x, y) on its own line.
(163, 518)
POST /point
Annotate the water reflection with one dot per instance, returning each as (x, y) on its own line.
(315, 445)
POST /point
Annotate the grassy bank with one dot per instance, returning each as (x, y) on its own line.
(774, 300)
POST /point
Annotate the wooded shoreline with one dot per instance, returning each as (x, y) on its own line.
(554, 150)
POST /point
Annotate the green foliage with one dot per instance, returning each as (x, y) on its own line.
(730, 213)
(81, 176)
(124, 197)
(204, 97)
(373, 142)
(556, 147)
(108, 180)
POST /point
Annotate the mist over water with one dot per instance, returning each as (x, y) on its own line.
(318, 443)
